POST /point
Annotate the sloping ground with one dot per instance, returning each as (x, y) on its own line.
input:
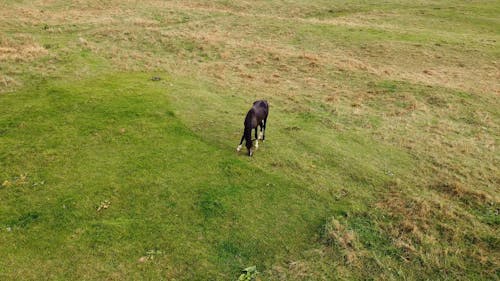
(380, 161)
(192, 210)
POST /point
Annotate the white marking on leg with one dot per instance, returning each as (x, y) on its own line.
(257, 144)
(260, 135)
(238, 148)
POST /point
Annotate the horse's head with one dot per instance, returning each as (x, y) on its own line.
(250, 149)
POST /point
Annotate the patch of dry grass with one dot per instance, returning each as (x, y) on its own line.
(337, 236)
(21, 48)
(428, 230)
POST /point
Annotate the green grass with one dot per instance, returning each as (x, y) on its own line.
(170, 191)
(380, 160)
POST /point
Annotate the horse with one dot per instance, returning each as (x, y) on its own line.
(256, 116)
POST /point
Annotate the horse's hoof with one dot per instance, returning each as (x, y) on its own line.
(238, 148)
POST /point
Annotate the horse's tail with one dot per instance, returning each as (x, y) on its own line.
(266, 103)
(248, 129)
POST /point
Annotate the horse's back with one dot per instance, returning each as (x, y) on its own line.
(261, 109)
(261, 104)
(257, 113)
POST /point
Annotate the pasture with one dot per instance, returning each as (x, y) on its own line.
(380, 160)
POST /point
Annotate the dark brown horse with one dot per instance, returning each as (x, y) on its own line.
(256, 116)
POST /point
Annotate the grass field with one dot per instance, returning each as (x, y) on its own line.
(380, 160)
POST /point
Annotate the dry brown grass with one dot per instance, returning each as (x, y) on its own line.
(389, 60)
(22, 48)
(423, 223)
(336, 235)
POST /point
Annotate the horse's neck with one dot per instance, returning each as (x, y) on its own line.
(253, 122)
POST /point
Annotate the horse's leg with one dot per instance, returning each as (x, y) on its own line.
(264, 131)
(256, 137)
(261, 128)
(241, 142)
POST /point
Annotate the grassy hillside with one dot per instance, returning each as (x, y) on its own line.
(380, 160)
